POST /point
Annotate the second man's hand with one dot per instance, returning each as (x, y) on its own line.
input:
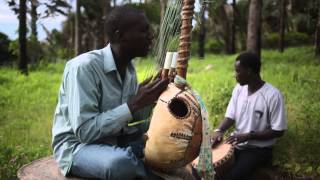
(216, 138)
(238, 138)
(148, 92)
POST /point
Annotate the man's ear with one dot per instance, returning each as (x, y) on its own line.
(117, 36)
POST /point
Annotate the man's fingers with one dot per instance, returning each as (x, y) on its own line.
(229, 140)
(215, 141)
(146, 81)
(152, 83)
(232, 140)
(160, 86)
(158, 73)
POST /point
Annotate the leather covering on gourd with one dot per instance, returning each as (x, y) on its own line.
(175, 131)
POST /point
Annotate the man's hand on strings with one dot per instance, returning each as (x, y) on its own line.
(148, 92)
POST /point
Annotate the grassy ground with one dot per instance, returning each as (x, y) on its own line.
(27, 105)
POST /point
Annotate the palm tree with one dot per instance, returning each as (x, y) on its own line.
(34, 19)
(163, 6)
(202, 33)
(254, 27)
(317, 36)
(106, 8)
(77, 38)
(23, 58)
(233, 29)
(282, 25)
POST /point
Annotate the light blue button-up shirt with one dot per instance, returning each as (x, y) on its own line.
(92, 106)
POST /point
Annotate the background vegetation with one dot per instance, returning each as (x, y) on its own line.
(287, 33)
(27, 104)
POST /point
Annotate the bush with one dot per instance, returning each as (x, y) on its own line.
(34, 51)
(214, 46)
(297, 39)
(5, 53)
(211, 45)
(291, 39)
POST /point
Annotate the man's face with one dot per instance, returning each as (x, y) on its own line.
(241, 73)
(137, 40)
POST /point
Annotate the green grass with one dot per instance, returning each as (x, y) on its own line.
(27, 105)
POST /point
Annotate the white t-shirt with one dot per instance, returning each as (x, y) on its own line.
(262, 110)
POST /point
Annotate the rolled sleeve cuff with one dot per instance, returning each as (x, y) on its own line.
(229, 116)
(124, 113)
(279, 128)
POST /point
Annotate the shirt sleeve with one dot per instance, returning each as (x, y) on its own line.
(88, 123)
(230, 112)
(277, 115)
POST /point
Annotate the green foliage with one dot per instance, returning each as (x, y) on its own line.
(296, 74)
(152, 11)
(214, 46)
(271, 40)
(5, 53)
(42, 53)
(35, 50)
(57, 47)
(14, 47)
(298, 39)
(173, 44)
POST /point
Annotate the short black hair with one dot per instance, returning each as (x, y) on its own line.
(250, 60)
(117, 20)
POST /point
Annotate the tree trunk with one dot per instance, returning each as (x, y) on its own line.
(33, 57)
(202, 34)
(163, 6)
(34, 19)
(77, 38)
(233, 29)
(317, 36)
(226, 14)
(282, 25)
(23, 58)
(226, 23)
(106, 8)
(254, 27)
(71, 37)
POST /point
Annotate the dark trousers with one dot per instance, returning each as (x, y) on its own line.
(246, 161)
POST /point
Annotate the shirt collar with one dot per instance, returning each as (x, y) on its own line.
(108, 61)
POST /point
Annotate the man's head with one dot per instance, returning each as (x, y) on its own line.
(129, 29)
(247, 66)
